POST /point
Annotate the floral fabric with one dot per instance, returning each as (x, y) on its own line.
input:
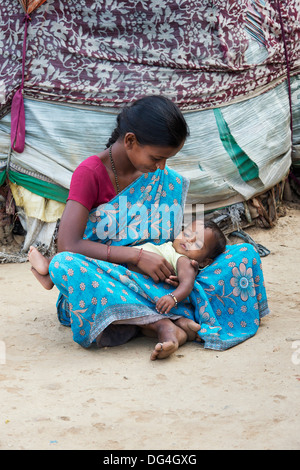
(108, 52)
(230, 297)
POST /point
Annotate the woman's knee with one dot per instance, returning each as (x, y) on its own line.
(57, 264)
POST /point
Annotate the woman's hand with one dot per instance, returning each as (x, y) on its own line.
(172, 281)
(155, 266)
(195, 265)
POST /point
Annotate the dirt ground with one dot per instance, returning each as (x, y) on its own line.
(56, 395)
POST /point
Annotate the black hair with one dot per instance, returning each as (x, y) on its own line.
(220, 238)
(155, 120)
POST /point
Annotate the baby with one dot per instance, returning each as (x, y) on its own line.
(200, 241)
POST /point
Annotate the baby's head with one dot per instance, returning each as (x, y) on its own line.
(202, 241)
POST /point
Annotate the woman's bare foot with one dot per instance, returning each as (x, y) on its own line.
(163, 350)
(169, 335)
(189, 326)
(38, 261)
(45, 280)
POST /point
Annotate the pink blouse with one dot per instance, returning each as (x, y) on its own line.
(91, 184)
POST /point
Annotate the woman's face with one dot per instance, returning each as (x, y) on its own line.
(148, 158)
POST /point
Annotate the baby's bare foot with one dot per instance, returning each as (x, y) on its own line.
(38, 261)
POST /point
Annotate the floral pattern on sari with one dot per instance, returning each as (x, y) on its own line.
(231, 297)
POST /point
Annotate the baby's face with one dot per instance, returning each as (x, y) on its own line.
(195, 242)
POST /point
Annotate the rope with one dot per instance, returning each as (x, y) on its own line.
(287, 66)
(26, 20)
(262, 250)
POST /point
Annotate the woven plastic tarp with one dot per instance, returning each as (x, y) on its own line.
(235, 151)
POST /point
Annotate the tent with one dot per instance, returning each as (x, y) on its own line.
(231, 66)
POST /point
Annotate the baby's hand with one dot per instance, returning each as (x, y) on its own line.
(164, 304)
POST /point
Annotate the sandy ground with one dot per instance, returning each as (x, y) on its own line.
(56, 395)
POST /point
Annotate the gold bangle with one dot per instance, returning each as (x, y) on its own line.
(174, 298)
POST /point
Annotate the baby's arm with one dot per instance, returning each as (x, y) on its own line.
(186, 276)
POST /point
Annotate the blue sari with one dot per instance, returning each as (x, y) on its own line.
(228, 299)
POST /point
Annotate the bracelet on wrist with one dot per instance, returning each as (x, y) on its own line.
(139, 257)
(174, 298)
(108, 253)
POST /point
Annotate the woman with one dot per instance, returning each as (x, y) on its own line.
(117, 200)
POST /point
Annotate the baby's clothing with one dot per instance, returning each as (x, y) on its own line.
(166, 250)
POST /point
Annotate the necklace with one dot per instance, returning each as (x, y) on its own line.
(114, 169)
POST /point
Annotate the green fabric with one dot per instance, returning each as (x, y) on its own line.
(246, 167)
(2, 177)
(36, 186)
